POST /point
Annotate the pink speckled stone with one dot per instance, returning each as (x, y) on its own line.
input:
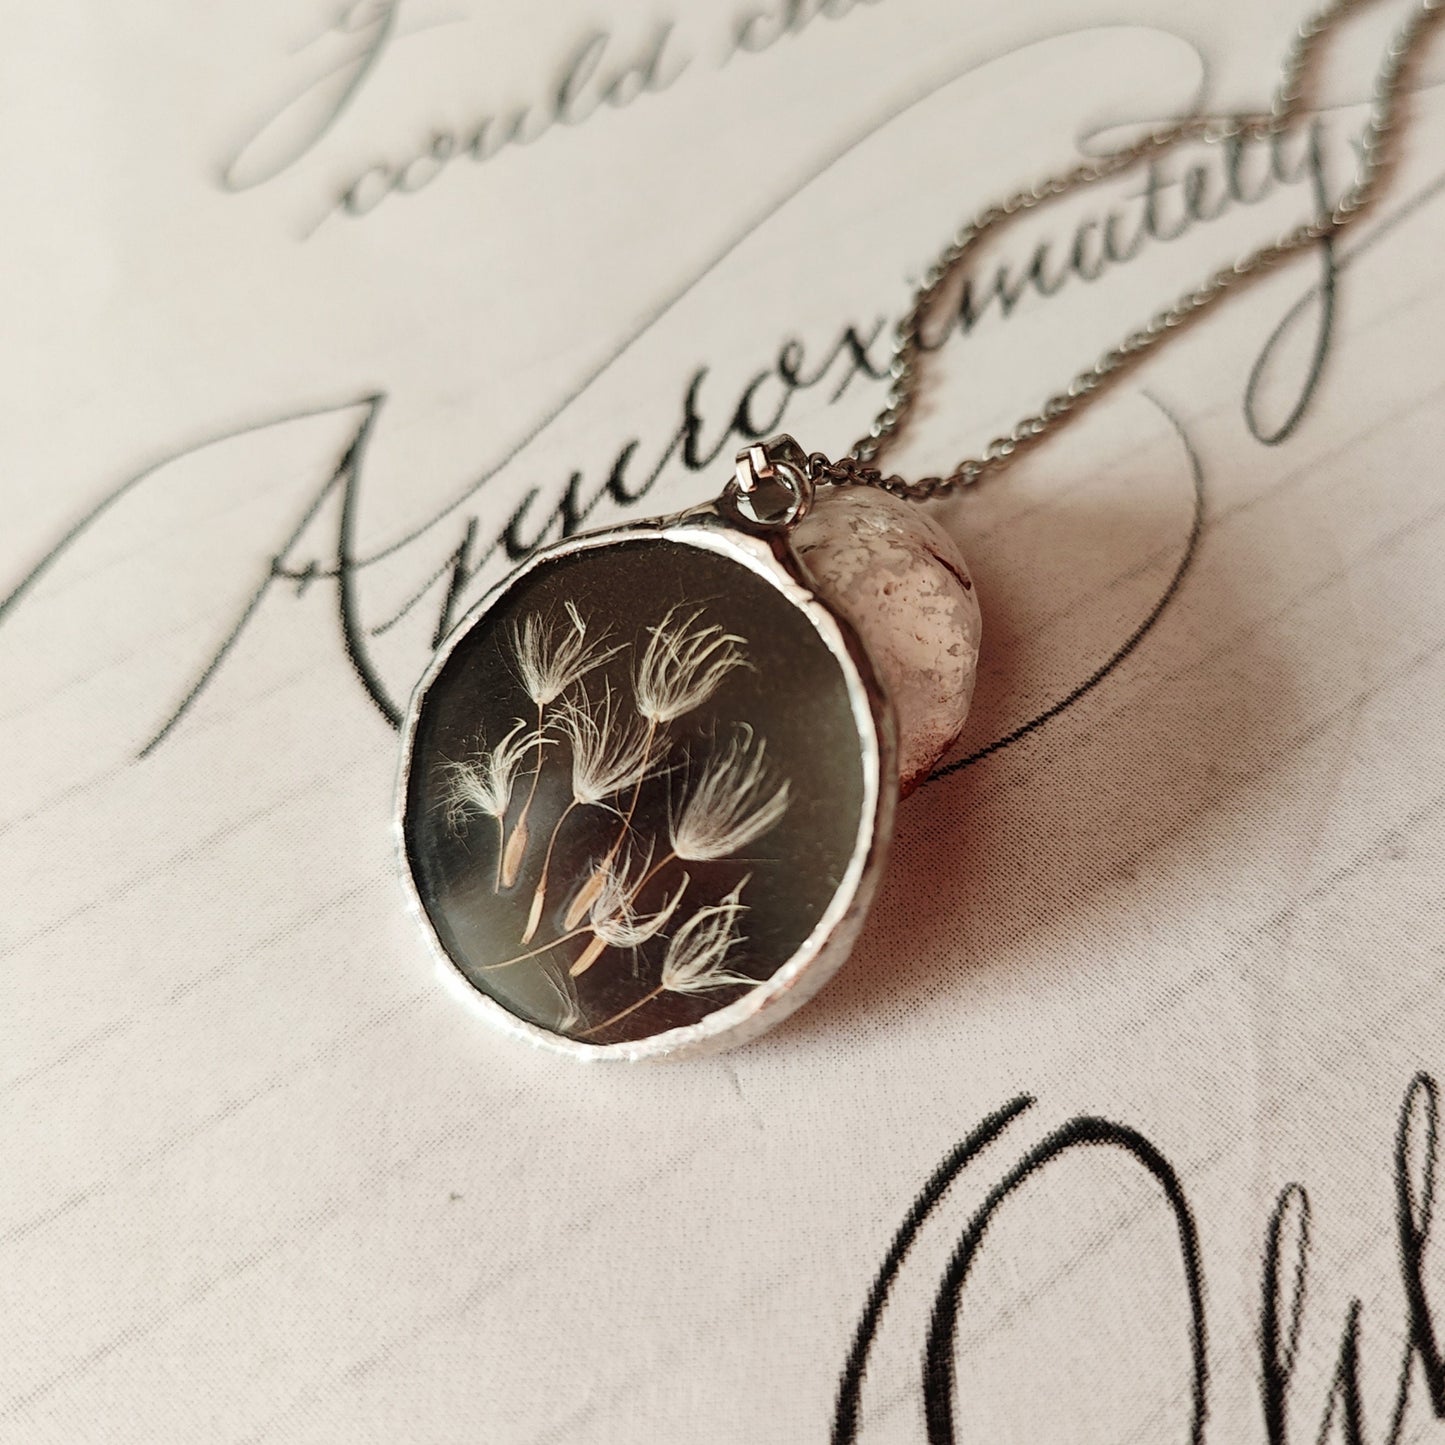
(898, 578)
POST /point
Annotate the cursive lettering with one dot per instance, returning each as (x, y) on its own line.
(366, 28)
(447, 551)
(595, 74)
(1284, 1288)
(589, 81)
(761, 29)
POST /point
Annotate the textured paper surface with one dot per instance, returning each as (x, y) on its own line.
(281, 362)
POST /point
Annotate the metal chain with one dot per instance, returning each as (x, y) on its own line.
(1377, 158)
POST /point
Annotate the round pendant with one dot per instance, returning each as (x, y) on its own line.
(647, 787)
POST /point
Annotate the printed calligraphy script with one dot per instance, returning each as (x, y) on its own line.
(1122, 1122)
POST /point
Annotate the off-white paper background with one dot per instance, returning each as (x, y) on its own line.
(262, 1178)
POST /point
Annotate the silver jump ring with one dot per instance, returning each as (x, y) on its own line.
(776, 463)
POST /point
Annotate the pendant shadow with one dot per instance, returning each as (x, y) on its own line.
(1125, 701)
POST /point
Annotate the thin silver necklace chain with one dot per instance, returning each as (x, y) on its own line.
(1378, 155)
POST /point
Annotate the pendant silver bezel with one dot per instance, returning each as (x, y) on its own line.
(770, 557)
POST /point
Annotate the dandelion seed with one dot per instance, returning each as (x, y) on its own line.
(730, 805)
(695, 958)
(484, 783)
(539, 894)
(516, 849)
(589, 955)
(612, 917)
(683, 665)
(609, 754)
(585, 897)
(551, 656)
(698, 950)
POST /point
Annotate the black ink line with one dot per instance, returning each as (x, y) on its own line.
(845, 1419)
(210, 669)
(344, 469)
(1278, 1349)
(40, 568)
(363, 63)
(348, 604)
(1191, 546)
(1323, 334)
(1083, 1132)
(1339, 259)
(1277, 1357)
(1414, 1214)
